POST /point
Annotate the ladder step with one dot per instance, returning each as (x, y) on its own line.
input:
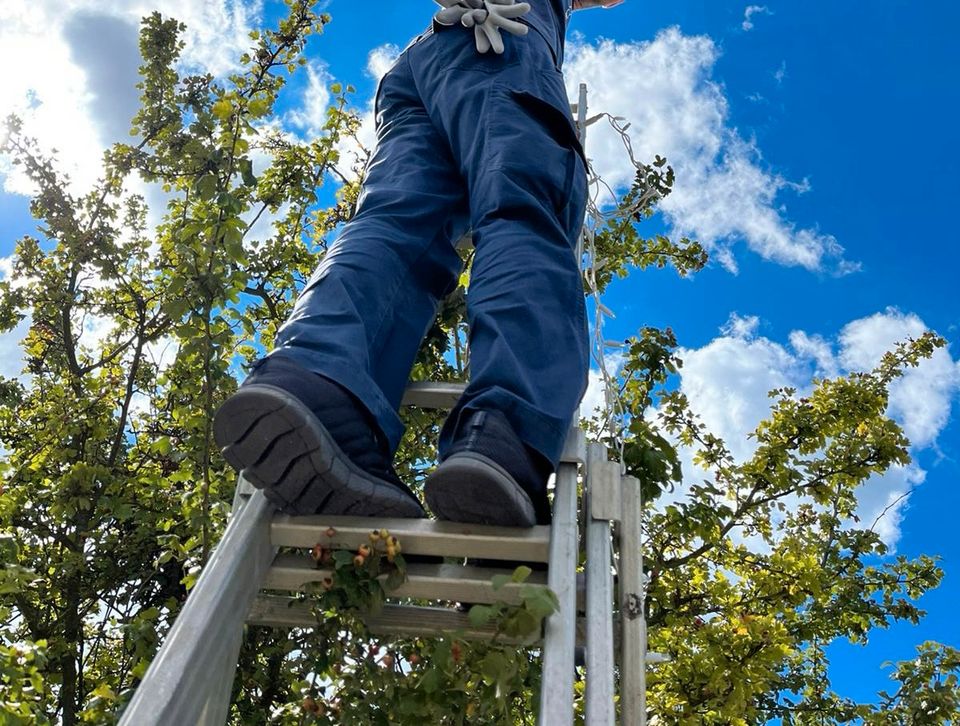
(444, 395)
(453, 583)
(417, 536)
(433, 394)
(397, 621)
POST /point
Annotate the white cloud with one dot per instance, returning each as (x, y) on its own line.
(6, 272)
(751, 10)
(381, 60)
(162, 353)
(921, 399)
(884, 499)
(594, 397)
(727, 382)
(311, 113)
(11, 355)
(738, 326)
(780, 73)
(724, 193)
(593, 405)
(817, 349)
(728, 379)
(86, 61)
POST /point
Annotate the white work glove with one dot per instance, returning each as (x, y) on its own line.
(487, 18)
(454, 10)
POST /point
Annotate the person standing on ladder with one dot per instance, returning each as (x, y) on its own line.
(466, 140)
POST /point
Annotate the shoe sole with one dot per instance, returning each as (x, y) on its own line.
(471, 488)
(278, 445)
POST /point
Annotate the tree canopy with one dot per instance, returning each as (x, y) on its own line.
(112, 493)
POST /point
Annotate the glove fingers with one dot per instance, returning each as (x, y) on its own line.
(487, 18)
(511, 26)
(483, 42)
(493, 33)
(449, 16)
(474, 17)
(512, 11)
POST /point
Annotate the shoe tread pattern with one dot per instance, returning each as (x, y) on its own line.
(279, 446)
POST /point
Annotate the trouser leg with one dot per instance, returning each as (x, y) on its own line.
(515, 144)
(362, 315)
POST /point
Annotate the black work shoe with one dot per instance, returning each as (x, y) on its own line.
(489, 477)
(310, 445)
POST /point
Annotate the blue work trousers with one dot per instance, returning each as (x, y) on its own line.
(464, 142)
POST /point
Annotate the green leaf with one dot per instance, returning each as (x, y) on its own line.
(521, 574)
(343, 559)
(494, 667)
(207, 187)
(539, 600)
(246, 172)
(430, 681)
(395, 578)
(499, 581)
(222, 109)
(480, 615)
(522, 624)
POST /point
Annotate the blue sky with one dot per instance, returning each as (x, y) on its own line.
(816, 157)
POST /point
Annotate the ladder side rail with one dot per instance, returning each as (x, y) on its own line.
(217, 708)
(600, 707)
(582, 135)
(241, 495)
(560, 633)
(175, 689)
(633, 686)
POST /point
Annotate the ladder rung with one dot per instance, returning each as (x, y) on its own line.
(418, 536)
(399, 621)
(445, 394)
(448, 582)
(433, 394)
(453, 583)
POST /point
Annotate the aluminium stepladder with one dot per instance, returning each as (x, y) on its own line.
(189, 681)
